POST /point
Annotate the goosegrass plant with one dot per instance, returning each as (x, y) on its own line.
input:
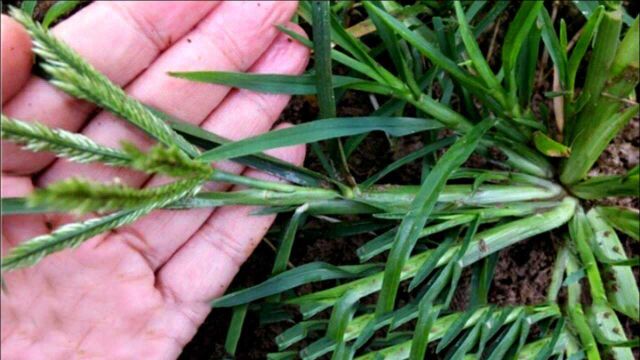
(425, 64)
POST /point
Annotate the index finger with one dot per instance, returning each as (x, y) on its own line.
(120, 39)
(16, 57)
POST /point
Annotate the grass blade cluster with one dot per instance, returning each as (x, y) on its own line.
(457, 66)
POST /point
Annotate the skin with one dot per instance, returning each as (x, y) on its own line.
(142, 291)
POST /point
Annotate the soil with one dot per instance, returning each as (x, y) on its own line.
(522, 273)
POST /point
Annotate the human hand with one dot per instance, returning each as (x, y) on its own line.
(141, 291)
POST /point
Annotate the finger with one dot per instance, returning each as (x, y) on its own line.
(220, 42)
(17, 228)
(242, 114)
(16, 57)
(120, 39)
(212, 257)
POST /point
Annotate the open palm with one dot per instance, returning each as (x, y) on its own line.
(141, 291)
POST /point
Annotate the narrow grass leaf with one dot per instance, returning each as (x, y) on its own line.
(633, 343)
(588, 7)
(474, 8)
(635, 261)
(628, 51)
(372, 248)
(454, 330)
(284, 250)
(309, 310)
(622, 290)
(608, 331)
(553, 44)
(574, 277)
(581, 46)
(469, 235)
(582, 328)
(515, 39)
(235, 329)
(427, 49)
(623, 219)
(316, 131)
(501, 317)
(266, 163)
(468, 341)
(427, 313)
(356, 48)
(517, 32)
(285, 355)
(393, 46)
(475, 54)
(581, 233)
(359, 51)
(57, 10)
(29, 6)
(290, 279)
(429, 265)
(548, 348)
(426, 320)
(299, 332)
(594, 136)
(20, 206)
(384, 242)
(421, 208)
(605, 45)
(456, 260)
(549, 146)
(428, 149)
(490, 18)
(342, 314)
(487, 330)
(322, 24)
(507, 340)
(525, 328)
(481, 279)
(338, 56)
(269, 83)
(322, 50)
(526, 67)
(598, 187)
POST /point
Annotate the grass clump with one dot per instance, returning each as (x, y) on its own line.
(426, 234)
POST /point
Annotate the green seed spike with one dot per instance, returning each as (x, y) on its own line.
(75, 76)
(82, 196)
(34, 136)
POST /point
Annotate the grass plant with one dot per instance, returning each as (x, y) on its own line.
(425, 234)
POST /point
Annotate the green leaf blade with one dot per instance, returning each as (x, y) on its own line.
(59, 9)
(421, 208)
(316, 131)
